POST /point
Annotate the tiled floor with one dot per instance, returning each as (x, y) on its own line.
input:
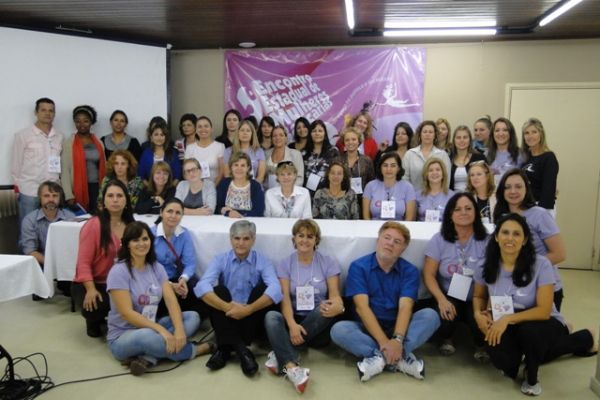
(49, 327)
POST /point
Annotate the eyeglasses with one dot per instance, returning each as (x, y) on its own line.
(190, 170)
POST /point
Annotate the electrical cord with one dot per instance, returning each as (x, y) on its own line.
(30, 388)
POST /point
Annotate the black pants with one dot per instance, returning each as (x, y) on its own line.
(558, 298)
(190, 303)
(464, 314)
(540, 342)
(232, 333)
(92, 318)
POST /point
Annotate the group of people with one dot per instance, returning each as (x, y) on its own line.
(505, 286)
(251, 170)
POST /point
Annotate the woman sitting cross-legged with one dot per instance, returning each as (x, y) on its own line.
(310, 282)
(523, 323)
(136, 285)
(451, 258)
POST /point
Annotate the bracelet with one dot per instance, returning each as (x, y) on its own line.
(398, 337)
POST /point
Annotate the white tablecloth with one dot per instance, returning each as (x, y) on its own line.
(21, 276)
(345, 240)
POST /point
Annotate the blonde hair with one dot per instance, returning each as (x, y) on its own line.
(540, 128)
(254, 144)
(491, 186)
(426, 184)
(369, 129)
(351, 129)
(447, 142)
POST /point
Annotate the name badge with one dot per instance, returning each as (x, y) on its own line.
(149, 312)
(356, 185)
(466, 271)
(460, 286)
(388, 209)
(501, 306)
(313, 182)
(205, 169)
(305, 298)
(432, 215)
(54, 164)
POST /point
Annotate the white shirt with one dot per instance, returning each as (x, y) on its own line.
(211, 154)
(301, 203)
(414, 161)
(32, 150)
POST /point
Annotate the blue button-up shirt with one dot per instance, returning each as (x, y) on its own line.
(34, 229)
(365, 276)
(240, 276)
(184, 246)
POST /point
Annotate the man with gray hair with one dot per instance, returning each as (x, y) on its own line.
(238, 287)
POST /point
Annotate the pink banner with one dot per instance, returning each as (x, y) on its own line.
(327, 85)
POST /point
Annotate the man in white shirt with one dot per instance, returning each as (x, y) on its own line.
(36, 156)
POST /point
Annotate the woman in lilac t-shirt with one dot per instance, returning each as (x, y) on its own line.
(523, 323)
(136, 284)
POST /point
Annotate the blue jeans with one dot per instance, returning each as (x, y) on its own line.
(353, 337)
(27, 204)
(148, 343)
(313, 323)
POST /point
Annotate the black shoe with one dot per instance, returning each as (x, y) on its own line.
(139, 366)
(218, 360)
(247, 362)
(35, 297)
(93, 329)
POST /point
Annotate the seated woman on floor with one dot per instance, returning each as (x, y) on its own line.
(136, 285)
(523, 323)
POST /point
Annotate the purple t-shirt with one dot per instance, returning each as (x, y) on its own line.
(255, 156)
(432, 202)
(542, 226)
(456, 258)
(401, 193)
(503, 162)
(144, 286)
(524, 297)
(314, 274)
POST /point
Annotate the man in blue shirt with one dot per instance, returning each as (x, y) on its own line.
(384, 287)
(34, 227)
(238, 287)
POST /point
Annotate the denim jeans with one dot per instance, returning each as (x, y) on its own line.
(148, 343)
(26, 205)
(353, 337)
(313, 323)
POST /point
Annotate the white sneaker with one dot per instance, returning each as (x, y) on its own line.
(411, 365)
(299, 377)
(530, 390)
(271, 363)
(369, 367)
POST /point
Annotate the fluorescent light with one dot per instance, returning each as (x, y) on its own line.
(439, 32)
(350, 14)
(559, 11)
(439, 24)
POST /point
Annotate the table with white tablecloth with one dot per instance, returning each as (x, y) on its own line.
(345, 240)
(21, 276)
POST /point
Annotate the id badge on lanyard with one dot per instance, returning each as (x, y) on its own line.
(305, 298)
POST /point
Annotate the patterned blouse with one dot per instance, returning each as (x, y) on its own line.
(325, 206)
(239, 198)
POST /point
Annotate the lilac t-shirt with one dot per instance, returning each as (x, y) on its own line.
(145, 288)
(432, 202)
(503, 162)
(314, 274)
(255, 157)
(401, 193)
(524, 297)
(456, 258)
(542, 226)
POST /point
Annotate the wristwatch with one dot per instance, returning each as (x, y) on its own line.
(398, 337)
